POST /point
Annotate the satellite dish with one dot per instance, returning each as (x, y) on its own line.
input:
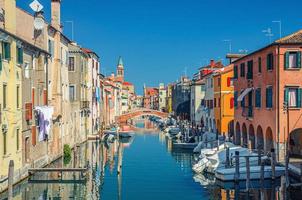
(36, 6)
(39, 23)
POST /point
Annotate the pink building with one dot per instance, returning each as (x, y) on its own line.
(264, 81)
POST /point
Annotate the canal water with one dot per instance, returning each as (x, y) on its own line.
(150, 170)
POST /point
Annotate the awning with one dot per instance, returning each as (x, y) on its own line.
(244, 93)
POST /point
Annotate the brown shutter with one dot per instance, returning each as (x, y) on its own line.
(45, 97)
(33, 135)
(28, 111)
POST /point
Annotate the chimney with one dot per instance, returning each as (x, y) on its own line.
(56, 14)
(212, 63)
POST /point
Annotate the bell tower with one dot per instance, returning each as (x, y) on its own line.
(120, 69)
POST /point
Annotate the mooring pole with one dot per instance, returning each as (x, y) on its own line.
(237, 173)
(10, 179)
(273, 163)
(247, 161)
(262, 174)
(227, 161)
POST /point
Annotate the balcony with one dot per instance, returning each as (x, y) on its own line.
(84, 104)
(248, 112)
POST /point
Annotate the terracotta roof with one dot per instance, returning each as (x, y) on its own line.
(292, 38)
(127, 83)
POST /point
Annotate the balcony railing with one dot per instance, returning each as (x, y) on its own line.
(84, 104)
(248, 111)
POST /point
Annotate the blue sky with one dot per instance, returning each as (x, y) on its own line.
(158, 39)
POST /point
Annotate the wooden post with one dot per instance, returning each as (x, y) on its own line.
(286, 169)
(10, 179)
(262, 173)
(237, 173)
(273, 163)
(283, 188)
(301, 175)
(247, 161)
(259, 157)
(227, 160)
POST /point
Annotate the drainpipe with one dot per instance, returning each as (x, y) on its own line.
(277, 104)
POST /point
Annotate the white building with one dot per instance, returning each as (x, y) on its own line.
(197, 96)
(162, 97)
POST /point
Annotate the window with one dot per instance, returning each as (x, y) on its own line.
(19, 55)
(250, 69)
(235, 72)
(292, 96)
(235, 99)
(269, 97)
(4, 96)
(230, 82)
(232, 103)
(270, 61)
(18, 139)
(259, 65)
(215, 105)
(26, 71)
(242, 70)
(258, 98)
(219, 81)
(6, 50)
(292, 60)
(72, 93)
(71, 64)
(18, 96)
(51, 47)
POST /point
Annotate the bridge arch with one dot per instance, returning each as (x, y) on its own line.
(122, 119)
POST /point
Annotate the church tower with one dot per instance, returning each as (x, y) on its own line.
(120, 69)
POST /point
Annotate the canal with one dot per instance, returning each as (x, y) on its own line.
(150, 170)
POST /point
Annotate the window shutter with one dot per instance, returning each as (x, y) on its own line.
(232, 103)
(235, 99)
(286, 60)
(228, 81)
(28, 111)
(8, 51)
(236, 72)
(267, 62)
(0, 62)
(267, 97)
(299, 97)
(298, 59)
(286, 95)
(33, 135)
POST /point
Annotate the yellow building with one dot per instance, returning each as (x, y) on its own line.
(224, 100)
(11, 91)
(169, 98)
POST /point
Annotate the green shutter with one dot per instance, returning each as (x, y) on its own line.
(235, 72)
(299, 59)
(267, 62)
(286, 60)
(0, 62)
(299, 93)
(8, 50)
(286, 95)
(235, 99)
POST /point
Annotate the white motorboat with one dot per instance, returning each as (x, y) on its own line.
(217, 161)
(228, 174)
(184, 145)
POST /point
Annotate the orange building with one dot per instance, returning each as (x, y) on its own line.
(224, 100)
(264, 81)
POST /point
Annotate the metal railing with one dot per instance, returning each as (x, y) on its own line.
(84, 104)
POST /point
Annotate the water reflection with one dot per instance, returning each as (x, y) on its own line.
(144, 167)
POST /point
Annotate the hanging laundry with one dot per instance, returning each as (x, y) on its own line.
(44, 121)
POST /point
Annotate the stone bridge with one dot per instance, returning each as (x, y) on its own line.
(122, 119)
